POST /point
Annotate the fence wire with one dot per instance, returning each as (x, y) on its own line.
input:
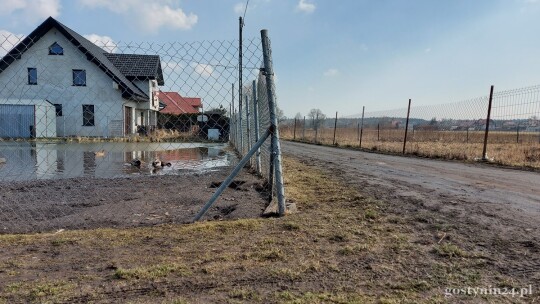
(74, 108)
(450, 131)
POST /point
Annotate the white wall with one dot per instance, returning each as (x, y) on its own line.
(55, 84)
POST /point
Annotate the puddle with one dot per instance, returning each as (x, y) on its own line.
(28, 161)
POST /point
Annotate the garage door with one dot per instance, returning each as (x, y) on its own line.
(16, 121)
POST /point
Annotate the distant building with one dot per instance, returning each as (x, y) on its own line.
(176, 104)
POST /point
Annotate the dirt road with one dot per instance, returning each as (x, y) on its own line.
(489, 209)
(513, 192)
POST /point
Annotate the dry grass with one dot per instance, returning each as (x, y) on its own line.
(342, 247)
(503, 147)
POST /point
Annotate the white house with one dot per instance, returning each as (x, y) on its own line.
(95, 92)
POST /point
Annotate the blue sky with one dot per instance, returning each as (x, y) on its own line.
(336, 55)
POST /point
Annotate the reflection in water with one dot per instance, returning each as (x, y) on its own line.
(27, 161)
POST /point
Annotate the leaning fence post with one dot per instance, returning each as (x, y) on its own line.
(484, 151)
(406, 126)
(269, 73)
(362, 127)
(335, 127)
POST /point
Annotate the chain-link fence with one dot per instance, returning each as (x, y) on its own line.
(255, 134)
(449, 131)
(153, 119)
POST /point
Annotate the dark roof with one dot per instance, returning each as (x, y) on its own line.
(138, 67)
(93, 53)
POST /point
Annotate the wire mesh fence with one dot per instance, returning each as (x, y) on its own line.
(154, 117)
(255, 125)
(450, 131)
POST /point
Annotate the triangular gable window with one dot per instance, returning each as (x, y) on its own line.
(56, 49)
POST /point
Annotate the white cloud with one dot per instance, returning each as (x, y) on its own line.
(31, 10)
(427, 50)
(8, 40)
(205, 70)
(8, 6)
(150, 16)
(331, 73)
(104, 42)
(306, 7)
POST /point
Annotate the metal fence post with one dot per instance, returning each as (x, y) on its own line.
(484, 151)
(256, 124)
(362, 127)
(335, 128)
(316, 126)
(294, 132)
(378, 131)
(304, 131)
(269, 73)
(406, 126)
(248, 129)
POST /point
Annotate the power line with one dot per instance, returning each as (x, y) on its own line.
(245, 10)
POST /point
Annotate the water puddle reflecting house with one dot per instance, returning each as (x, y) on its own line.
(27, 161)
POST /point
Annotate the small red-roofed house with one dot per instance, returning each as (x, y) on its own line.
(178, 112)
(176, 104)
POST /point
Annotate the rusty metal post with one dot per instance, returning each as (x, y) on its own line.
(517, 137)
(378, 131)
(484, 151)
(467, 134)
(335, 128)
(362, 127)
(406, 127)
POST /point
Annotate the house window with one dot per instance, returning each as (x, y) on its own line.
(56, 49)
(88, 115)
(32, 76)
(58, 108)
(79, 78)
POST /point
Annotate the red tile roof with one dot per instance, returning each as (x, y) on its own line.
(176, 104)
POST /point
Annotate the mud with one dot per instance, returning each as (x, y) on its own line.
(87, 203)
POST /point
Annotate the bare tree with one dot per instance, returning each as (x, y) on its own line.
(317, 118)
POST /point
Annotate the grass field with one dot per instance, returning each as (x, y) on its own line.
(505, 148)
(342, 246)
